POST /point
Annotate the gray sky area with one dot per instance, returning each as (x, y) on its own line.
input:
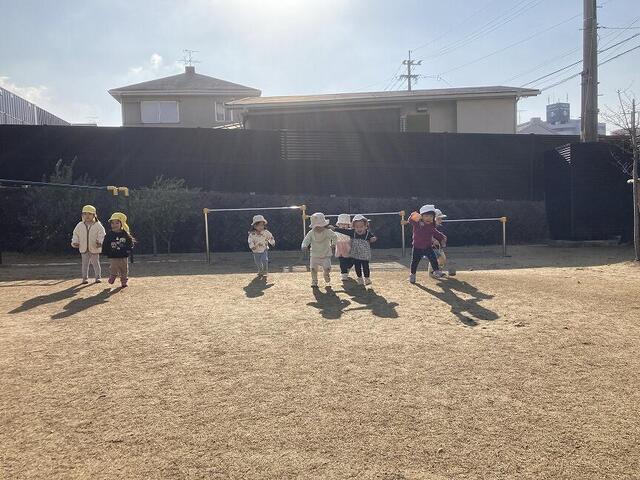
(64, 55)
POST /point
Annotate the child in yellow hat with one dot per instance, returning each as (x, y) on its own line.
(118, 244)
(87, 237)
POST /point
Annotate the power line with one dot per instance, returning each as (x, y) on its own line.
(519, 42)
(580, 73)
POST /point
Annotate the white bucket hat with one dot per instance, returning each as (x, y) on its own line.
(318, 220)
(427, 208)
(358, 218)
(344, 218)
(258, 218)
(439, 214)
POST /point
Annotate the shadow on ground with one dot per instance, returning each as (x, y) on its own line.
(469, 312)
(256, 287)
(50, 298)
(81, 304)
(370, 300)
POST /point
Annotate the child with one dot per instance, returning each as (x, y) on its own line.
(361, 239)
(320, 239)
(424, 231)
(437, 248)
(118, 244)
(88, 237)
(343, 246)
(259, 240)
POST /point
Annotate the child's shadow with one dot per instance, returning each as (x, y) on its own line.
(330, 305)
(50, 298)
(80, 304)
(370, 300)
(467, 311)
(256, 287)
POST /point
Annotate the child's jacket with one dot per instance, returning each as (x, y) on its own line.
(117, 244)
(360, 243)
(424, 233)
(88, 237)
(260, 241)
(320, 242)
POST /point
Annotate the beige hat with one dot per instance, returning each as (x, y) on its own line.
(344, 218)
(258, 218)
(427, 209)
(439, 214)
(318, 220)
(358, 218)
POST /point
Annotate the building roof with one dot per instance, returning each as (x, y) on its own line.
(187, 83)
(382, 97)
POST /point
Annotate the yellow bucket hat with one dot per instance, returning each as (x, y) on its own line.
(122, 218)
(90, 209)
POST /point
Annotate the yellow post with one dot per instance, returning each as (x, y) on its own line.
(403, 222)
(503, 220)
(113, 190)
(124, 190)
(205, 211)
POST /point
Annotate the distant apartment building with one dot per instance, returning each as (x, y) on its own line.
(188, 99)
(558, 122)
(454, 110)
(15, 110)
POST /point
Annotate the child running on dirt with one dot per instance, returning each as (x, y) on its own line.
(320, 239)
(361, 240)
(259, 241)
(424, 232)
(118, 244)
(438, 249)
(343, 246)
(87, 237)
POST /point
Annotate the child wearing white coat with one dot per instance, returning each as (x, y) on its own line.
(87, 237)
(259, 241)
(321, 240)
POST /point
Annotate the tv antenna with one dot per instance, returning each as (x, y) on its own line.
(187, 59)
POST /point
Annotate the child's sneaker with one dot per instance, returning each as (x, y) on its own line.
(360, 281)
(438, 274)
(344, 276)
(314, 284)
(367, 281)
(412, 278)
(98, 280)
(112, 279)
(85, 281)
(124, 282)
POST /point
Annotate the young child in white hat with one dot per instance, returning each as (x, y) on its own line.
(320, 239)
(343, 246)
(361, 239)
(87, 237)
(424, 232)
(259, 241)
(437, 247)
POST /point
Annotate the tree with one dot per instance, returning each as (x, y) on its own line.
(161, 208)
(628, 121)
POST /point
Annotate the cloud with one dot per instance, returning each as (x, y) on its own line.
(38, 95)
(152, 68)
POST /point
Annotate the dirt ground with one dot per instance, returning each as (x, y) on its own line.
(520, 368)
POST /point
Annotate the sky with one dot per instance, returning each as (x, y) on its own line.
(64, 55)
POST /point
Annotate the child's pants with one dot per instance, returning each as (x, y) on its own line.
(362, 266)
(119, 267)
(89, 258)
(320, 262)
(418, 253)
(345, 264)
(262, 261)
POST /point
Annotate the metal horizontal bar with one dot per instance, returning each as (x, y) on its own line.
(252, 209)
(474, 220)
(366, 214)
(46, 184)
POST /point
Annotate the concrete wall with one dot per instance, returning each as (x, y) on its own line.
(194, 111)
(495, 115)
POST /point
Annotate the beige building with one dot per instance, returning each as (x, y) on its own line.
(454, 110)
(185, 100)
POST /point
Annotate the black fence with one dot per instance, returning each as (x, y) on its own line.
(437, 165)
(587, 194)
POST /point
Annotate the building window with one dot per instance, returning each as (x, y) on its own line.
(159, 112)
(223, 114)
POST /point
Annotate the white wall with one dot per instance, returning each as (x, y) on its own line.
(493, 115)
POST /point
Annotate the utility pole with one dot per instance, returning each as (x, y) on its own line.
(636, 195)
(410, 63)
(589, 111)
